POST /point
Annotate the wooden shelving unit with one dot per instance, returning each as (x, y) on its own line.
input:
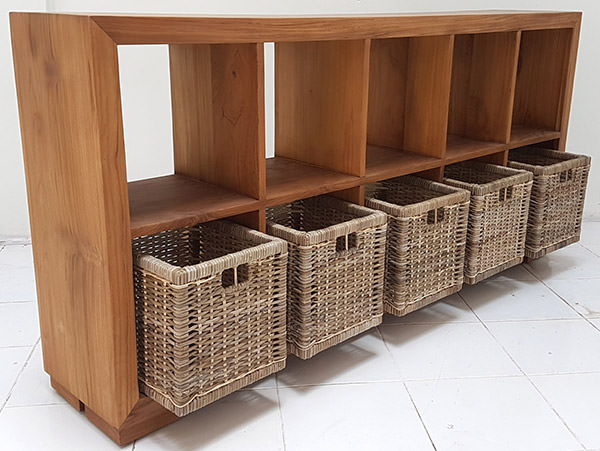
(357, 100)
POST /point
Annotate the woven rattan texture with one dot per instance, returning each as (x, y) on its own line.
(335, 271)
(497, 216)
(206, 330)
(426, 238)
(557, 197)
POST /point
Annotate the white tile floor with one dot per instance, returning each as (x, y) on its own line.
(511, 363)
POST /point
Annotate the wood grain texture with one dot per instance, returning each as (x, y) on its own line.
(131, 29)
(541, 78)
(387, 92)
(66, 395)
(384, 163)
(256, 220)
(428, 94)
(409, 91)
(565, 106)
(174, 201)
(483, 75)
(289, 180)
(420, 83)
(70, 110)
(462, 149)
(522, 135)
(355, 195)
(147, 416)
(321, 92)
(218, 114)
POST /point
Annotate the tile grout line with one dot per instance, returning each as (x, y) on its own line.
(430, 379)
(587, 248)
(560, 297)
(27, 360)
(280, 411)
(381, 337)
(535, 387)
(419, 415)
(15, 302)
(18, 346)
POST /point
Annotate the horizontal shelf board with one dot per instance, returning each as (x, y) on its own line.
(522, 135)
(174, 201)
(459, 148)
(289, 180)
(154, 29)
(385, 163)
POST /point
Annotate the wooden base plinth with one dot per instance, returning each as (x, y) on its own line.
(147, 416)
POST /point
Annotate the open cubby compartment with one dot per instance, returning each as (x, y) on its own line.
(320, 117)
(540, 86)
(218, 140)
(409, 88)
(481, 95)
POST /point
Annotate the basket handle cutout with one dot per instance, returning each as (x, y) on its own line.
(505, 194)
(234, 276)
(435, 216)
(566, 176)
(346, 242)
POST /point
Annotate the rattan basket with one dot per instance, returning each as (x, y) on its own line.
(426, 237)
(557, 196)
(210, 312)
(497, 216)
(335, 271)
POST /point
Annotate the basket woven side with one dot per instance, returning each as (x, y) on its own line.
(425, 241)
(201, 340)
(557, 198)
(497, 217)
(335, 274)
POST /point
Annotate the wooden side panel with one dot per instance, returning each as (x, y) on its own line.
(541, 78)
(565, 108)
(387, 92)
(483, 86)
(321, 95)
(70, 110)
(428, 94)
(218, 114)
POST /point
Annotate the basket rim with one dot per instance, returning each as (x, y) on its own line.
(450, 195)
(512, 177)
(566, 161)
(266, 246)
(368, 218)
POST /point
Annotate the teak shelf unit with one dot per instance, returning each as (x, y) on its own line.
(358, 99)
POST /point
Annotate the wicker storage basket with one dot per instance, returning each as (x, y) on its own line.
(335, 271)
(427, 231)
(497, 216)
(557, 196)
(210, 312)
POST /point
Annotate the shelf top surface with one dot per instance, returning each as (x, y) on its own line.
(174, 201)
(190, 29)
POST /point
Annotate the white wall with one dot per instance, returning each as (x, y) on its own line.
(146, 103)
